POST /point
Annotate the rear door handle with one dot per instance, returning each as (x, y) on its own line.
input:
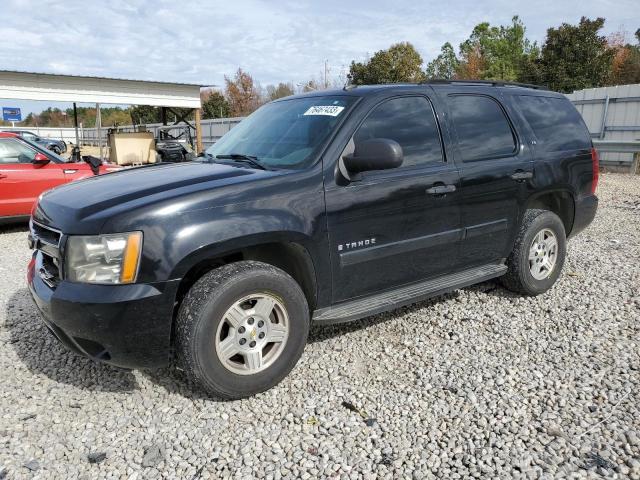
(2, 175)
(521, 176)
(441, 189)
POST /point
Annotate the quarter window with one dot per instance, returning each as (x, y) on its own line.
(555, 122)
(482, 127)
(411, 122)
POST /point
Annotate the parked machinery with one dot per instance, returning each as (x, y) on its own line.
(174, 144)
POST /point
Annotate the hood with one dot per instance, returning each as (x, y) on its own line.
(84, 206)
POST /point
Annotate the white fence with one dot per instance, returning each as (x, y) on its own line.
(212, 130)
(611, 114)
(68, 134)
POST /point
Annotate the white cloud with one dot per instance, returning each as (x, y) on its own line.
(192, 41)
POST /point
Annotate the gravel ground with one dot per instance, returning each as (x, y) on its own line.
(478, 383)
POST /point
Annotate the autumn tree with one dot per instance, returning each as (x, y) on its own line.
(242, 94)
(281, 90)
(214, 105)
(574, 57)
(444, 65)
(625, 66)
(399, 63)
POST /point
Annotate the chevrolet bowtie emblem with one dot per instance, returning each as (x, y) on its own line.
(253, 333)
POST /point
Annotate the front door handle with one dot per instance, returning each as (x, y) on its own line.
(439, 190)
(521, 176)
(2, 175)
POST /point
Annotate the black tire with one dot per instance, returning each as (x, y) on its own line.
(202, 311)
(519, 277)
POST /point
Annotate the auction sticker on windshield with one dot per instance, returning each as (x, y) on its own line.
(330, 110)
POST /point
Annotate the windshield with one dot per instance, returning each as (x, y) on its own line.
(284, 134)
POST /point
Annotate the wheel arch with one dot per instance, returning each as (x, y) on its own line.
(561, 202)
(288, 254)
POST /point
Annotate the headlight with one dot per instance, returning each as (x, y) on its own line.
(109, 258)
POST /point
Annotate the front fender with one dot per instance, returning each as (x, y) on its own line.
(172, 246)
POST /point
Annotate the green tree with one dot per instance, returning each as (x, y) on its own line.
(444, 65)
(280, 91)
(495, 53)
(214, 105)
(399, 63)
(574, 57)
(143, 114)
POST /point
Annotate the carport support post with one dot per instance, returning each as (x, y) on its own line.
(75, 123)
(198, 132)
(99, 127)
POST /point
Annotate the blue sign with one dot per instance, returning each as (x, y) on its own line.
(11, 114)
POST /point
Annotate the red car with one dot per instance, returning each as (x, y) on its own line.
(27, 170)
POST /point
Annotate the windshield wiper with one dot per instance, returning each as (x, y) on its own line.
(242, 158)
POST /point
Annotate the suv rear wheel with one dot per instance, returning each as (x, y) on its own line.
(538, 255)
(241, 329)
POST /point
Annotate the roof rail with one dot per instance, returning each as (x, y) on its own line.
(493, 83)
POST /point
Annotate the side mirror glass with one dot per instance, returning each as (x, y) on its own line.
(374, 154)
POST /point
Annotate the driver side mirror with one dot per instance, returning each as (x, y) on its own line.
(374, 154)
(40, 160)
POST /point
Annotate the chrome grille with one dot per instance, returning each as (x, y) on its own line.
(45, 234)
(47, 240)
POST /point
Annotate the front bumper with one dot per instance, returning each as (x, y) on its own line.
(585, 212)
(127, 326)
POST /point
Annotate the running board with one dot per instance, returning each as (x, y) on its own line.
(405, 295)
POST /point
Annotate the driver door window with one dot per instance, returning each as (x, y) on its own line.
(411, 122)
(12, 151)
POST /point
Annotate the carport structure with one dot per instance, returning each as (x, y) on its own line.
(100, 90)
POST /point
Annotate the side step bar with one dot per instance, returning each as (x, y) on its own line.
(405, 295)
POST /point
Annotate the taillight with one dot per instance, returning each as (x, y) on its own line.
(595, 162)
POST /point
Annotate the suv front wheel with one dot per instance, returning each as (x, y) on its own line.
(538, 254)
(241, 328)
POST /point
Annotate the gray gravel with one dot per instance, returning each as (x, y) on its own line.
(479, 383)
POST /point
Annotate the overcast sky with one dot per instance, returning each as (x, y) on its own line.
(200, 42)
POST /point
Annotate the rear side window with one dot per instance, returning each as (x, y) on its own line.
(555, 122)
(410, 121)
(482, 127)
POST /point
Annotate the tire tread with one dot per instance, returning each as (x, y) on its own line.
(195, 301)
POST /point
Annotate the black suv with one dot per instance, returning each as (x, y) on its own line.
(324, 207)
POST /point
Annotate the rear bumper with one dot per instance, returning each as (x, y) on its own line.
(585, 212)
(127, 326)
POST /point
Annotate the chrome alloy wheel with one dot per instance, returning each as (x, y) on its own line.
(543, 254)
(252, 334)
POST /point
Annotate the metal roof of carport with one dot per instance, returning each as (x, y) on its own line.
(84, 89)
